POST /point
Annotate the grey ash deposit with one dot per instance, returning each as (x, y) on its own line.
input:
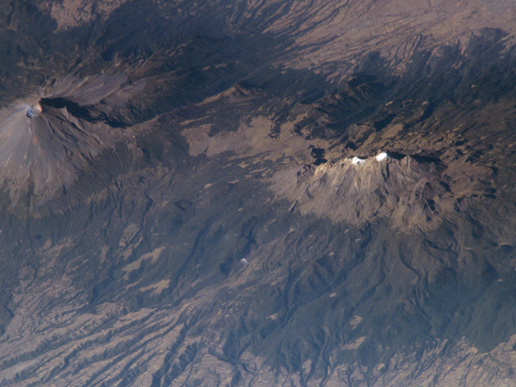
(53, 135)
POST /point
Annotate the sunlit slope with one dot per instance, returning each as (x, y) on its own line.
(192, 193)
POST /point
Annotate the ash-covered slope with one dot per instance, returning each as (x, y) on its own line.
(47, 140)
(195, 200)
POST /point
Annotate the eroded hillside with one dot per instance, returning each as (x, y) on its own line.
(257, 193)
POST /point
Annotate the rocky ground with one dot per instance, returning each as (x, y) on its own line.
(196, 197)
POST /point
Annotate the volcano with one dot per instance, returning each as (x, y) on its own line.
(267, 193)
(47, 141)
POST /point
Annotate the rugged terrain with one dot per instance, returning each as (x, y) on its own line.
(257, 193)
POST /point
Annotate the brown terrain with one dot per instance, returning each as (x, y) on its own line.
(257, 193)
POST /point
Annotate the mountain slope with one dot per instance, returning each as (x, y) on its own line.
(191, 193)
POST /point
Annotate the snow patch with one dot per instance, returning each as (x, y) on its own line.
(357, 160)
(381, 156)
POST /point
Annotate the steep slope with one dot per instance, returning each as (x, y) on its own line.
(46, 141)
(192, 193)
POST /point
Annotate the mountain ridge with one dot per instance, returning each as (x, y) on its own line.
(224, 234)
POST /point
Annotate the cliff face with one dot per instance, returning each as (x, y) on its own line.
(257, 193)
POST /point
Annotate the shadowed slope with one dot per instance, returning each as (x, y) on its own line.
(45, 143)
